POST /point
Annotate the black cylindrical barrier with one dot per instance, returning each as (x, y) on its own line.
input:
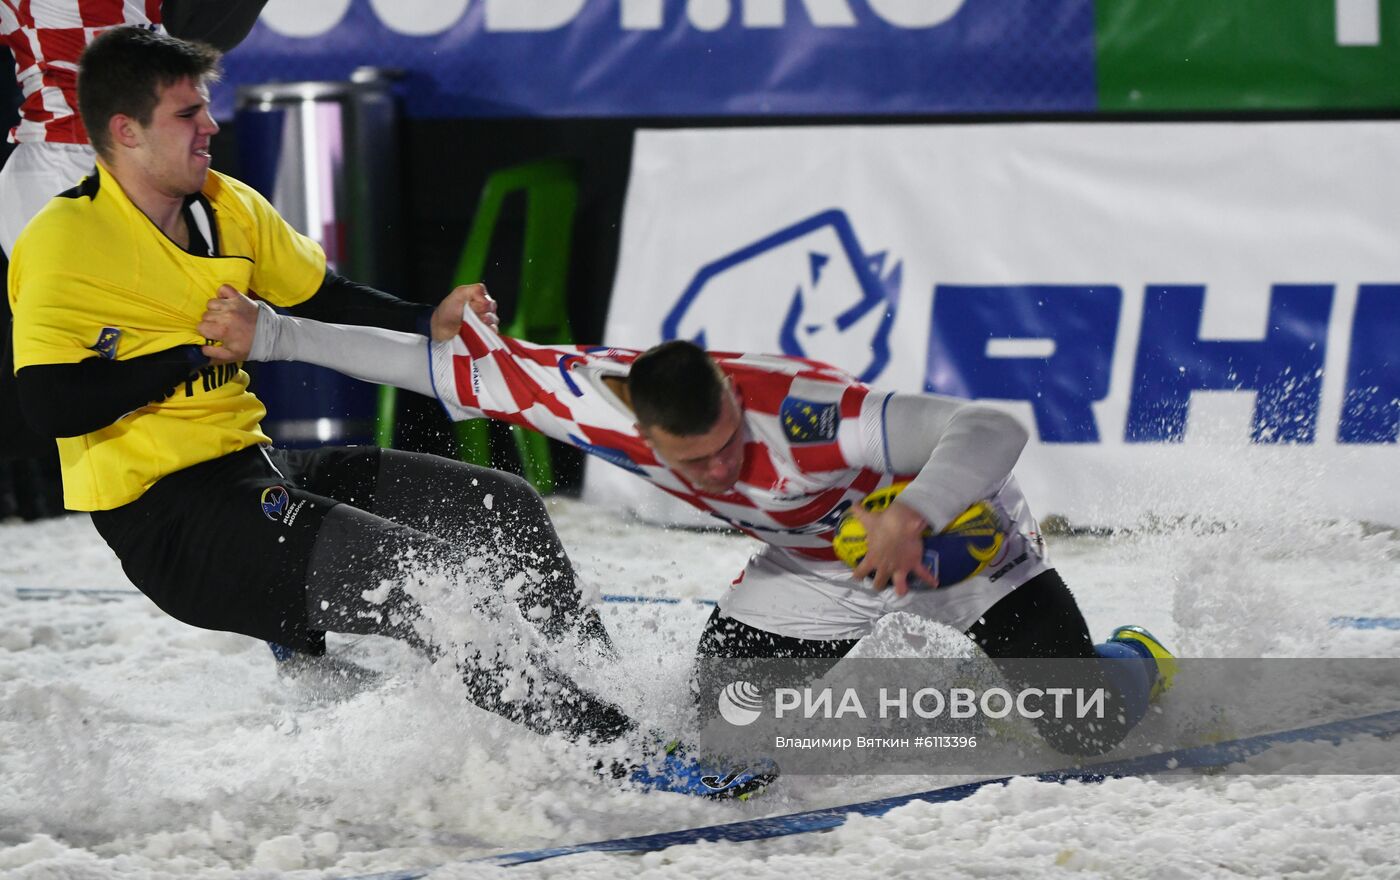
(326, 155)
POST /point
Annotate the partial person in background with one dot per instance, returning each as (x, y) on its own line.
(165, 448)
(29, 483)
(779, 448)
(45, 39)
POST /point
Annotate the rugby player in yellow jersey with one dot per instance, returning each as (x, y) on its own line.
(164, 448)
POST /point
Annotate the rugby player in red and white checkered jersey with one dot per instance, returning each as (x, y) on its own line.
(790, 446)
(46, 38)
(777, 447)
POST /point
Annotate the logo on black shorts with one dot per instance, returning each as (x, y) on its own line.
(274, 502)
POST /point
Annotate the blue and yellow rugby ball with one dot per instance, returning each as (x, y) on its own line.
(962, 550)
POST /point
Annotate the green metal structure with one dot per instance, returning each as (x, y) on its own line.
(541, 310)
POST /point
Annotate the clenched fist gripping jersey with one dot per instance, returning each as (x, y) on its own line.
(815, 439)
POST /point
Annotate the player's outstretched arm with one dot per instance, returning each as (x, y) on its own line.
(246, 330)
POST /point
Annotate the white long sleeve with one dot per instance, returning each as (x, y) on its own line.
(962, 452)
(369, 353)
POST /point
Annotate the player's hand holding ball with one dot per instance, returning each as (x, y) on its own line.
(892, 543)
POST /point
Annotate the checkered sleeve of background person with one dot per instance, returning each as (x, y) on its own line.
(46, 38)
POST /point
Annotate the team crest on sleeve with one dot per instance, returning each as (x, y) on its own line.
(807, 421)
(106, 344)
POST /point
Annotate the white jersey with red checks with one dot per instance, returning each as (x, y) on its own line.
(46, 38)
(802, 422)
(814, 444)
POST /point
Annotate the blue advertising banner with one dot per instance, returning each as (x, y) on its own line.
(504, 58)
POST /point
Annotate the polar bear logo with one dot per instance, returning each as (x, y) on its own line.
(807, 290)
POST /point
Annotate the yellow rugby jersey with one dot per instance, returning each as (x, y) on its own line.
(93, 276)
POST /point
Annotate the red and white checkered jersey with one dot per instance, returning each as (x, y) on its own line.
(813, 442)
(46, 38)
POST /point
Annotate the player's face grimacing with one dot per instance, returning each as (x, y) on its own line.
(712, 461)
(174, 153)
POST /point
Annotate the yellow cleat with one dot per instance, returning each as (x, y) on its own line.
(1166, 661)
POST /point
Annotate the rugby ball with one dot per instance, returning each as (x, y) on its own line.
(962, 550)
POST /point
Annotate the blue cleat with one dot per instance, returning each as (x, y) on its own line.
(282, 653)
(1150, 647)
(677, 770)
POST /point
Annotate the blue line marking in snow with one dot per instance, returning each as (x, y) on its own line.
(78, 592)
(120, 593)
(617, 599)
(1366, 622)
(1216, 755)
(608, 598)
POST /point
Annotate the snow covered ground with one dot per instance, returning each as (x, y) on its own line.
(134, 746)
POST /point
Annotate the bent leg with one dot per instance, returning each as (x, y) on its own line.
(1041, 620)
(729, 638)
(726, 642)
(358, 571)
(494, 516)
(234, 545)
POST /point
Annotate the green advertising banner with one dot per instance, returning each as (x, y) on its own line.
(1248, 54)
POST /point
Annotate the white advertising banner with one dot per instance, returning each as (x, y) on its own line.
(1191, 318)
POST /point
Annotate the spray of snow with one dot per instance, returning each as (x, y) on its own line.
(134, 746)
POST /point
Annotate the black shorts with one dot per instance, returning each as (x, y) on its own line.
(1040, 618)
(224, 544)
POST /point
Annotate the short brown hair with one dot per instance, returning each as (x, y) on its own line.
(676, 386)
(123, 71)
